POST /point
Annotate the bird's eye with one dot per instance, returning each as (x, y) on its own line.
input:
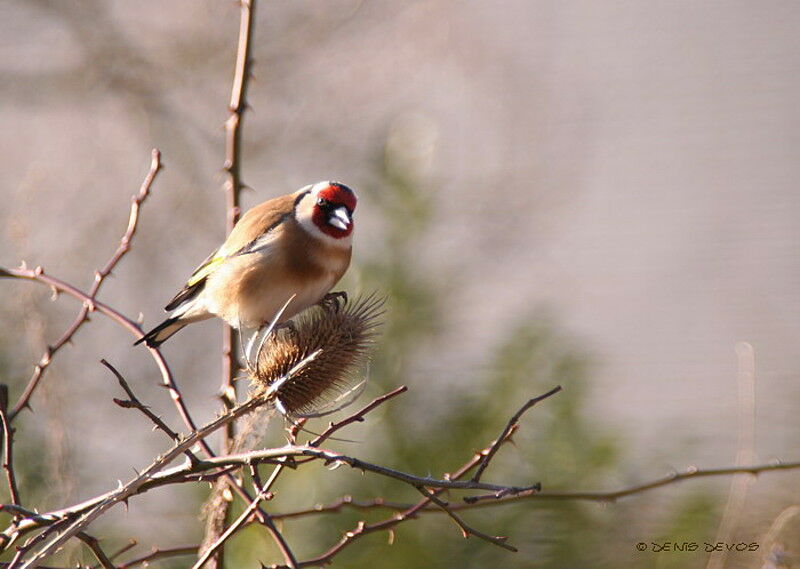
(322, 202)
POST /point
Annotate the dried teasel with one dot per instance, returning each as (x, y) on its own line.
(328, 347)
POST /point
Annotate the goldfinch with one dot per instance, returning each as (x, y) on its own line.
(294, 247)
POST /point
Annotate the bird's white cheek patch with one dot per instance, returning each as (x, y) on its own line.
(311, 228)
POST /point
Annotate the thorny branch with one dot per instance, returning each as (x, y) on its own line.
(99, 277)
(38, 275)
(233, 180)
(8, 457)
(511, 425)
(233, 185)
(94, 545)
(79, 516)
(133, 403)
(132, 488)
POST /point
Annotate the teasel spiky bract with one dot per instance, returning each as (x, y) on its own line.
(333, 342)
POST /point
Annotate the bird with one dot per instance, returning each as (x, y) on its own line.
(290, 249)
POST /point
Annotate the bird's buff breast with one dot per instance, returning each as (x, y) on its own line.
(248, 291)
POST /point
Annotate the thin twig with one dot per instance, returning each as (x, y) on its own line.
(99, 277)
(133, 402)
(344, 502)
(168, 380)
(509, 426)
(92, 543)
(38, 274)
(356, 417)
(263, 518)
(8, 457)
(388, 524)
(134, 486)
(159, 554)
(232, 529)
(466, 530)
(128, 546)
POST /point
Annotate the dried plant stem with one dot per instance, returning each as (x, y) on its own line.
(99, 277)
(241, 521)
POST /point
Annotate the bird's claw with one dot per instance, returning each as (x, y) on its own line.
(289, 326)
(334, 300)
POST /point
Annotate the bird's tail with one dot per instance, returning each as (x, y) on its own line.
(155, 337)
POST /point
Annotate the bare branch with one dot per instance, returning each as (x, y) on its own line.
(232, 189)
(135, 403)
(159, 554)
(238, 524)
(38, 275)
(99, 277)
(512, 422)
(128, 546)
(466, 530)
(8, 457)
(691, 472)
(233, 181)
(133, 487)
(356, 417)
(94, 545)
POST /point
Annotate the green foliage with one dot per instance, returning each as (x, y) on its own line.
(559, 442)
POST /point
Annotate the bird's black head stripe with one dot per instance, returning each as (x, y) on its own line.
(300, 197)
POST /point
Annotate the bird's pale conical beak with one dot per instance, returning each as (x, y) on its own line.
(340, 219)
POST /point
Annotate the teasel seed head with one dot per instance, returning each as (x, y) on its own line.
(332, 341)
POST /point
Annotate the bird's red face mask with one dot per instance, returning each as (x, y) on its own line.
(333, 212)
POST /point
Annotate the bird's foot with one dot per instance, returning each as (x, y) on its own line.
(333, 301)
(289, 326)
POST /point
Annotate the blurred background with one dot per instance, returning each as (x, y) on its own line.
(597, 195)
